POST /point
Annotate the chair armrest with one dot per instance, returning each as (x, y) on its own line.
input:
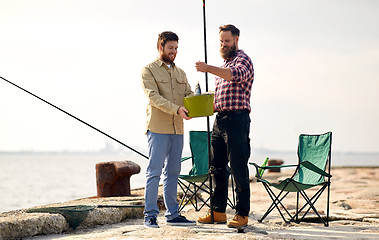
(314, 168)
(259, 169)
(270, 167)
(259, 173)
(279, 166)
(185, 158)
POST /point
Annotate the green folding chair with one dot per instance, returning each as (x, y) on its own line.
(313, 170)
(197, 180)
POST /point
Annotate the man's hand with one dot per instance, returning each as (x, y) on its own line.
(224, 73)
(201, 66)
(182, 111)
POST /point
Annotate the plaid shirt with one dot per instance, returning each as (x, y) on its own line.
(235, 94)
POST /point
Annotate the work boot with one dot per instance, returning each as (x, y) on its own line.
(238, 221)
(217, 217)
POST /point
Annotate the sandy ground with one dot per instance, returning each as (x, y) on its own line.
(354, 210)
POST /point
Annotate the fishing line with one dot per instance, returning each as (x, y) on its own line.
(89, 125)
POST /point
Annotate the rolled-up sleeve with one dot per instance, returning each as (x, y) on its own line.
(242, 70)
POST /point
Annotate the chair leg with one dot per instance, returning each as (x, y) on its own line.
(186, 190)
(311, 205)
(275, 201)
(310, 202)
(297, 206)
(192, 194)
(196, 197)
(327, 206)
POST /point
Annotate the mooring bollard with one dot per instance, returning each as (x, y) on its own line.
(113, 178)
(274, 162)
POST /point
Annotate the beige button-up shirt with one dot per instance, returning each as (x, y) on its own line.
(165, 88)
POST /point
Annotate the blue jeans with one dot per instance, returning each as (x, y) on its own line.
(165, 153)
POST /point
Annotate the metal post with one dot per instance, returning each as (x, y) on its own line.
(210, 162)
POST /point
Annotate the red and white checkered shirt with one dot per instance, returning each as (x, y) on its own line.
(235, 94)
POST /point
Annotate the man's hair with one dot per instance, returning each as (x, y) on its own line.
(166, 36)
(229, 27)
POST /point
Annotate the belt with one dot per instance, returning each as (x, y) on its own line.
(239, 111)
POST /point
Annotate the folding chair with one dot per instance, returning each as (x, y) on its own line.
(197, 180)
(313, 169)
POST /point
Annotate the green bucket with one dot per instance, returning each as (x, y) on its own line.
(199, 105)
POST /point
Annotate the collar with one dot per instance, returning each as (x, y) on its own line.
(161, 63)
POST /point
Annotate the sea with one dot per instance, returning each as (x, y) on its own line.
(29, 179)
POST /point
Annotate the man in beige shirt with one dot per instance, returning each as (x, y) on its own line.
(165, 85)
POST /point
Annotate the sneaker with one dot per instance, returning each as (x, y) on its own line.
(217, 218)
(238, 221)
(180, 221)
(151, 222)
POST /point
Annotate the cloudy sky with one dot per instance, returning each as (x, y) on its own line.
(316, 68)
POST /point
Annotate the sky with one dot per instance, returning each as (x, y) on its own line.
(316, 69)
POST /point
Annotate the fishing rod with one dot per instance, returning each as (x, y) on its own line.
(89, 125)
(210, 161)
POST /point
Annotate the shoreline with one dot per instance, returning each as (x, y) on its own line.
(134, 177)
(354, 207)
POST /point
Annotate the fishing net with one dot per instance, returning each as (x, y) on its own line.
(74, 215)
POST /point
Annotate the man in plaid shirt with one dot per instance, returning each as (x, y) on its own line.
(230, 135)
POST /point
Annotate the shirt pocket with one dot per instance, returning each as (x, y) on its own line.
(163, 84)
(181, 85)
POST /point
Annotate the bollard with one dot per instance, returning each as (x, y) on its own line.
(274, 162)
(113, 178)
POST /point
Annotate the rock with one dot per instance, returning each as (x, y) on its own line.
(371, 220)
(345, 206)
(27, 225)
(109, 215)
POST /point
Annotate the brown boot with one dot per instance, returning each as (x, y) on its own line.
(238, 221)
(217, 217)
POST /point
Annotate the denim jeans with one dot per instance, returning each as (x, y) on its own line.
(231, 144)
(165, 152)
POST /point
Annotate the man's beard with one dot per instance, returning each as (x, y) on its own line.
(166, 58)
(227, 52)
